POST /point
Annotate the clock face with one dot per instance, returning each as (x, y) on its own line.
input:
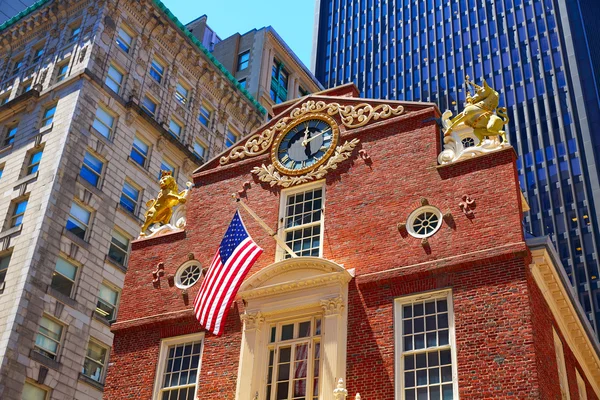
(306, 145)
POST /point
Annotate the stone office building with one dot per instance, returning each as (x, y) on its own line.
(96, 97)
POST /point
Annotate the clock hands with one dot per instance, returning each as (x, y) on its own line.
(307, 141)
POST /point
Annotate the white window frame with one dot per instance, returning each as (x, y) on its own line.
(398, 342)
(106, 358)
(285, 193)
(162, 358)
(563, 380)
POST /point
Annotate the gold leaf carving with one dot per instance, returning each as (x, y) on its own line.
(271, 176)
(351, 116)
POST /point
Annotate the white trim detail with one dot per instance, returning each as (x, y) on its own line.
(412, 219)
(182, 268)
(562, 369)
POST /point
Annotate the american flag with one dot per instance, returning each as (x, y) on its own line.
(235, 256)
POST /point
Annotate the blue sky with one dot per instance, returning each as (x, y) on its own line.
(293, 20)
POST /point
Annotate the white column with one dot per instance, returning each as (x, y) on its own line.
(250, 355)
(334, 345)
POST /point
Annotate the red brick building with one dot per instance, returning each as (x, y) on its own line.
(414, 279)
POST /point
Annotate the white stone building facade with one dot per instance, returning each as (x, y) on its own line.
(96, 97)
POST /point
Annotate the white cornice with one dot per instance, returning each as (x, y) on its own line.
(547, 277)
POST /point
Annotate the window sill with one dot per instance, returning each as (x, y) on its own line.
(95, 384)
(101, 319)
(61, 297)
(6, 149)
(90, 187)
(11, 231)
(25, 179)
(100, 136)
(141, 168)
(42, 359)
(46, 129)
(115, 264)
(74, 238)
(129, 214)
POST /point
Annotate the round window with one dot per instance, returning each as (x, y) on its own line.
(468, 142)
(424, 222)
(188, 274)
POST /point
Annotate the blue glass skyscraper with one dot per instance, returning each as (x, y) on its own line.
(543, 56)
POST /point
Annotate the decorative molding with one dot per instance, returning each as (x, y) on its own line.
(252, 320)
(351, 117)
(179, 216)
(467, 205)
(157, 274)
(333, 306)
(273, 177)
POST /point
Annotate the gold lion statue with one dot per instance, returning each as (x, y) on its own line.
(160, 209)
(479, 113)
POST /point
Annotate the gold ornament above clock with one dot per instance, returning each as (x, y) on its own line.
(305, 145)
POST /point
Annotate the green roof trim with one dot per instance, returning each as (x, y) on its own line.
(212, 58)
(181, 27)
(23, 14)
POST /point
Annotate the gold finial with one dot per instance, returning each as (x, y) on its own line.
(160, 209)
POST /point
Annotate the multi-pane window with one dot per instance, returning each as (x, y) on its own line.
(75, 32)
(114, 79)
(175, 128)
(107, 302)
(181, 93)
(34, 392)
(18, 213)
(34, 162)
(279, 83)
(294, 360)
(63, 277)
(129, 197)
(9, 138)
(200, 150)
(4, 261)
(119, 244)
(63, 70)
(38, 53)
(205, 115)
(139, 151)
(78, 221)
(178, 372)
(124, 40)
(302, 221)
(149, 105)
(103, 122)
(17, 65)
(243, 60)
(157, 70)
(48, 115)
(48, 338)
(425, 356)
(91, 169)
(95, 361)
(166, 166)
(230, 138)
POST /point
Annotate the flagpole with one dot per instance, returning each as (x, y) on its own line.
(266, 227)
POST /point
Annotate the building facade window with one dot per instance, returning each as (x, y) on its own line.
(107, 301)
(129, 197)
(4, 262)
(62, 70)
(426, 349)
(94, 364)
(175, 128)
(562, 369)
(75, 32)
(157, 70)
(424, 222)
(48, 338)
(243, 60)
(64, 277)
(188, 274)
(4, 98)
(48, 115)
(200, 150)
(19, 208)
(38, 53)
(149, 105)
(178, 367)
(294, 360)
(242, 83)
(166, 165)
(91, 169)
(139, 151)
(114, 79)
(279, 83)
(26, 86)
(181, 93)
(11, 133)
(119, 246)
(124, 39)
(302, 215)
(33, 164)
(205, 115)
(31, 391)
(17, 65)
(103, 122)
(78, 221)
(231, 137)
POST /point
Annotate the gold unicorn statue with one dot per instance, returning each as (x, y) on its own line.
(160, 209)
(479, 113)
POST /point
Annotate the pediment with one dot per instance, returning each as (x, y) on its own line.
(294, 273)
